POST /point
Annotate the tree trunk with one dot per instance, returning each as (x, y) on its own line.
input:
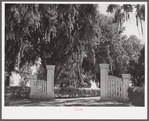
(78, 67)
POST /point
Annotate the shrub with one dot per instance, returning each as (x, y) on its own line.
(136, 95)
(77, 92)
(17, 92)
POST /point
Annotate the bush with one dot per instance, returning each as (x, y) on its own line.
(17, 92)
(136, 95)
(77, 92)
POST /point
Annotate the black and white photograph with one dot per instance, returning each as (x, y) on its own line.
(74, 60)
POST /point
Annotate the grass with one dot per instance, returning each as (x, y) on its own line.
(86, 102)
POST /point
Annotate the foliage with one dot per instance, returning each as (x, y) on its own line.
(59, 25)
(140, 16)
(137, 69)
(136, 95)
(17, 92)
(117, 50)
(73, 37)
(76, 92)
(113, 48)
(52, 32)
(68, 74)
(124, 55)
(110, 49)
(23, 73)
(122, 13)
(41, 74)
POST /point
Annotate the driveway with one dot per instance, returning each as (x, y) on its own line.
(86, 101)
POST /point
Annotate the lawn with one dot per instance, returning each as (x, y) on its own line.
(87, 101)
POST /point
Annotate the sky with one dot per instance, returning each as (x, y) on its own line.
(131, 28)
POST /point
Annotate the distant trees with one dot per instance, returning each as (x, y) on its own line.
(134, 50)
(119, 51)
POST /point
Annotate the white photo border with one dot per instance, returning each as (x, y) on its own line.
(70, 112)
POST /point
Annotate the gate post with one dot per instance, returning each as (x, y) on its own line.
(103, 80)
(126, 80)
(32, 79)
(50, 80)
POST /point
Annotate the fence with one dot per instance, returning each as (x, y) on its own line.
(38, 89)
(113, 88)
(41, 89)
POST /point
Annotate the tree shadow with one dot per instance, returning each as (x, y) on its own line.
(64, 102)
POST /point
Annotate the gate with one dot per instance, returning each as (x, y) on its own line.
(113, 88)
(38, 89)
(41, 89)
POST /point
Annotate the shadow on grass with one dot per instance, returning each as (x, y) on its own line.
(97, 105)
(63, 102)
(17, 102)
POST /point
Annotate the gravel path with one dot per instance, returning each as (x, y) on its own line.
(87, 101)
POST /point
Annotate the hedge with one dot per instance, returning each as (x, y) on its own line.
(76, 92)
(17, 92)
(136, 95)
(23, 92)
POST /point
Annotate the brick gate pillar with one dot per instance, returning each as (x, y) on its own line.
(103, 80)
(126, 81)
(50, 80)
